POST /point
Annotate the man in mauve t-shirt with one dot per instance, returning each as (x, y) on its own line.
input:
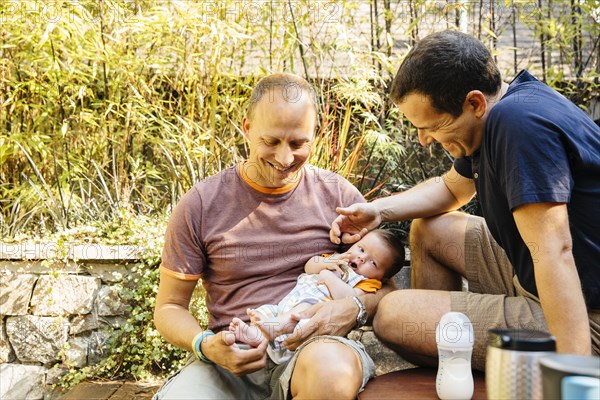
(246, 233)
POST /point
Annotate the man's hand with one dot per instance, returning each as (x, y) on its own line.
(222, 350)
(354, 222)
(336, 318)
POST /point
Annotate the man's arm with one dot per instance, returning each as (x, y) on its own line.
(544, 227)
(432, 197)
(179, 327)
(171, 314)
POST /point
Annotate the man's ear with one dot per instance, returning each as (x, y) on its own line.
(246, 128)
(477, 102)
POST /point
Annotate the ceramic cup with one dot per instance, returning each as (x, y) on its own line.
(580, 388)
(555, 367)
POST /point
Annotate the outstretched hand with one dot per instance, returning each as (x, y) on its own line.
(223, 350)
(354, 222)
(336, 318)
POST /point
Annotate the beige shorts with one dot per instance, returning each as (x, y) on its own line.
(495, 298)
(198, 380)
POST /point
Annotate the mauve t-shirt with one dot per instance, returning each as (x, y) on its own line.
(249, 244)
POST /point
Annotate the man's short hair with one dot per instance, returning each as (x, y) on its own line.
(292, 87)
(446, 66)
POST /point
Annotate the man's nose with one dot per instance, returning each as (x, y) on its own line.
(284, 155)
(424, 139)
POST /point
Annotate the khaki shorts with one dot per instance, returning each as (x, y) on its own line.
(198, 380)
(495, 298)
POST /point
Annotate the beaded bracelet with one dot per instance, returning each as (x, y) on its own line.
(197, 345)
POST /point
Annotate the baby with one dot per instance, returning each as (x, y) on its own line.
(378, 256)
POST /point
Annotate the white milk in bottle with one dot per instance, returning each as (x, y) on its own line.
(454, 337)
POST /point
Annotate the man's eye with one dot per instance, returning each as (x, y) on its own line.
(298, 145)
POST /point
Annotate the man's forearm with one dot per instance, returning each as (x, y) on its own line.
(176, 325)
(564, 308)
(432, 197)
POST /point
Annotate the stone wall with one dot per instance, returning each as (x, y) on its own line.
(56, 315)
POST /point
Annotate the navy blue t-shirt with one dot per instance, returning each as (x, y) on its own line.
(538, 147)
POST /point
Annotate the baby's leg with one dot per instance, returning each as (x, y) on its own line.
(278, 325)
(245, 333)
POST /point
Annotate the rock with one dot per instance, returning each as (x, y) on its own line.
(6, 351)
(63, 295)
(21, 382)
(402, 278)
(100, 252)
(108, 301)
(109, 273)
(84, 323)
(386, 360)
(76, 352)
(98, 343)
(39, 267)
(30, 251)
(37, 339)
(54, 374)
(15, 293)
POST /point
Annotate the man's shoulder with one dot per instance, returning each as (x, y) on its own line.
(217, 185)
(225, 176)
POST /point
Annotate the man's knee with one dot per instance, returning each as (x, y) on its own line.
(327, 370)
(424, 238)
(386, 320)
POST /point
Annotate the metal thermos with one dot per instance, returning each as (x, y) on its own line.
(512, 370)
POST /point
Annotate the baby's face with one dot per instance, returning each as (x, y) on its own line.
(370, 256)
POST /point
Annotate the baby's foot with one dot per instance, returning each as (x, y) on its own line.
(255, 316)
(246, 333)
(276, 326)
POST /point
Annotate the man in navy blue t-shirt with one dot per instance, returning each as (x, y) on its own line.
(533, 159)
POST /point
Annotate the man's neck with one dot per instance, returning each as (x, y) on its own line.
(492, 100)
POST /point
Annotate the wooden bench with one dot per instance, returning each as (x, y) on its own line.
(414, 384)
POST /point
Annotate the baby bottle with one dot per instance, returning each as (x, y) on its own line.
(454, 337)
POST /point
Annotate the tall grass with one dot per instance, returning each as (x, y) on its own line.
(112, 108)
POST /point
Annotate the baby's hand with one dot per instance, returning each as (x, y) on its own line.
(337, 261)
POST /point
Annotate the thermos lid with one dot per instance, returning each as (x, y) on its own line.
(521, 340)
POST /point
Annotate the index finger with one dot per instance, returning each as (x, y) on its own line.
(336, 231)
(353, 238)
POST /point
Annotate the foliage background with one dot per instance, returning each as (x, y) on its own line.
(110, 110)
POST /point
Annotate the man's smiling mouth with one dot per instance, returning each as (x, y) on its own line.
(281, 169)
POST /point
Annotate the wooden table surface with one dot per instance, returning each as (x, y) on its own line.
(415, 383)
